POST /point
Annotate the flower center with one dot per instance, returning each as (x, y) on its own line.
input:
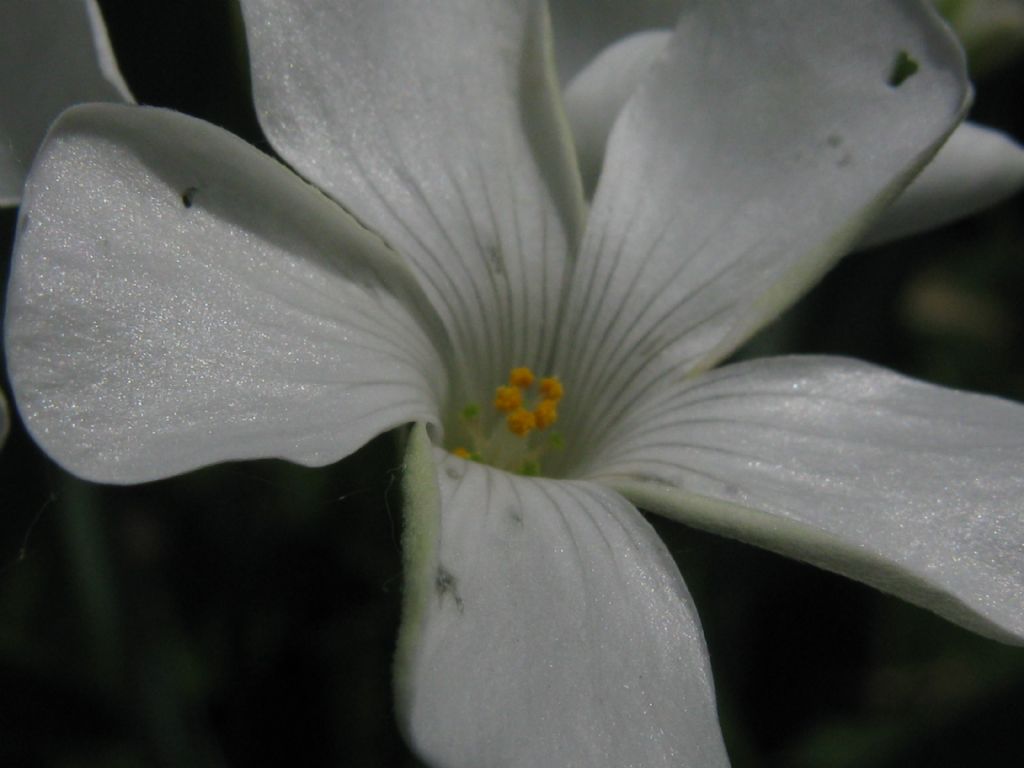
(517, 434)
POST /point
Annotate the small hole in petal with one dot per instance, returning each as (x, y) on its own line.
(189, 196)
(904, 66)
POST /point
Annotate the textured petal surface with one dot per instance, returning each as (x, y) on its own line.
(976, 168)
(909, 487)
(53, 53)
(545, 625)
(583, 28)
(177, 298)
(746, 164)
(438, 125)
(597, 94)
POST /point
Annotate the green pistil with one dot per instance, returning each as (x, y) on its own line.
(530, 468)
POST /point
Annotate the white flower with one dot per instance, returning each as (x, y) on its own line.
(179, 299)
(53, 53)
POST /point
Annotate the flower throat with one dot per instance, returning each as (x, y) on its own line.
(518, 435)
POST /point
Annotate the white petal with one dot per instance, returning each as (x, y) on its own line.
(583, 28)
(177, 298)
(545, 625)
(911, 488)
(596, 95)
(976, 168)
(105, 57)
(741, 169)
(53, 53)
(440, 129)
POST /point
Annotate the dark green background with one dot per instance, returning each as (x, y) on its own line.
(246, 614)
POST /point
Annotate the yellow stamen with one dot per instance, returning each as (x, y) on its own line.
(546, 413)
(521, 422)
(507, 399)
(529, 404)
(521, 377)
(551, 389)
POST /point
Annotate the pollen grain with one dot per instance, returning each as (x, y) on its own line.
(508, 399)
(521, 377)
(521, 422)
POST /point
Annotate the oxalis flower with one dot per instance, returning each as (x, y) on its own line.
(178, 299)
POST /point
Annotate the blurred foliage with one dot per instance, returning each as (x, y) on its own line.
(246, 614)
(992, 31)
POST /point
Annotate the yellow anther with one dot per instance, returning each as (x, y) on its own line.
(462, 453)
(507, 399)
(551, 389)
(521, 422)
(521, 377)
(546, 413)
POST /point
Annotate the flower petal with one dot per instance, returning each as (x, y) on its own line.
(53, 53)
(583, 28)
(976, 168)
(914, 489)
(746, 164)
(442, 130)
(597, 94)
(178, 298)
(545, 625)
